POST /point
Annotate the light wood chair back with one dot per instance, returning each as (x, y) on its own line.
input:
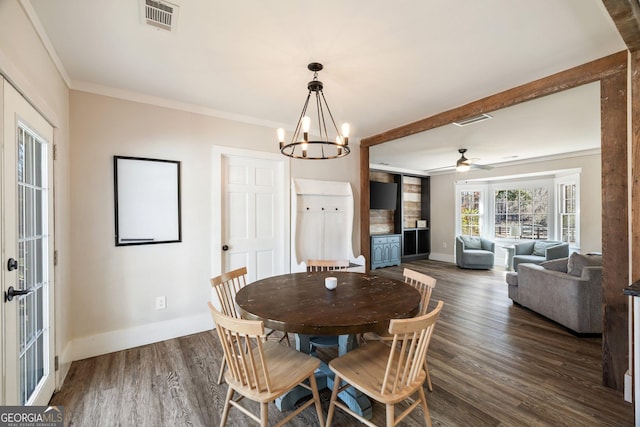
(411, 338)
(261, 370)
(237, 336)
(327, 265)
(424, 284)
(388, 374)
(227, 286)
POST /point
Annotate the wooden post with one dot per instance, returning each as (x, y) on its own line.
(615, 235)
(365, 245)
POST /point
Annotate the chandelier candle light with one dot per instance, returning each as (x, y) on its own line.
(301, 147)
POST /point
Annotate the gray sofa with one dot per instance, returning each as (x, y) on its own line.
(475, 252)
(566, 290)
(537, 251)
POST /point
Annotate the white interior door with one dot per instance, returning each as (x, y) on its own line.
(27, 253)
(253, 216)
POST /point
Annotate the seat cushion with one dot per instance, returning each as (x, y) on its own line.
(365, 366)
(533, 259)
(476, 256)
(287, 367)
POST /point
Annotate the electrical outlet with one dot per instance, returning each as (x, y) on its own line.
(444, 245)
(161, 303)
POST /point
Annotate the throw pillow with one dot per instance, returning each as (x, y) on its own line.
(539, 248)
(578, 261)
(559, 264)
(472, 242)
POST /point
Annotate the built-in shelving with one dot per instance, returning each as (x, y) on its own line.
(413, 205)
(416, 242)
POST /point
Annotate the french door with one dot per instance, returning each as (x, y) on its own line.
(27, 253)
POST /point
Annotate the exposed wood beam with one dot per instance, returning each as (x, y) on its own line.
(626, 16)
(577, 76)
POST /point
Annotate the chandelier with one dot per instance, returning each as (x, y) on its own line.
(301, 147)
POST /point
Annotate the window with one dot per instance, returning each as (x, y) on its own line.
(567, 212)
(527, 208)
(545, 208)
(470, 218)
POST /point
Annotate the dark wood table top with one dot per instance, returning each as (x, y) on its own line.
(300, 303)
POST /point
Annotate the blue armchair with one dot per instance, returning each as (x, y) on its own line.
(475, 252)
(537, 251)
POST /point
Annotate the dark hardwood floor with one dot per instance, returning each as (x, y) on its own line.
(492, 363)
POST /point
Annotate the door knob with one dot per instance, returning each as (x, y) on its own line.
(11, 292)
(225, 247)
(12, 264)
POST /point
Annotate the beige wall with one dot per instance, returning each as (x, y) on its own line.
(114, 288)
(443, 195)
(25, 62)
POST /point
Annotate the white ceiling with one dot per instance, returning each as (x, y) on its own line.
(387, 63)
(565, 122)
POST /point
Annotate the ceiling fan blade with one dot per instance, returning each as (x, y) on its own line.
(475, 166)
(462, 161)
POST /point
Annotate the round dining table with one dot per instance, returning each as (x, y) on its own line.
(300, 303)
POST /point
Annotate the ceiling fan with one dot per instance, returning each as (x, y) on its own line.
(463, 164)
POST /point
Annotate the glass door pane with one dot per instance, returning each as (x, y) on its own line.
(33, 261)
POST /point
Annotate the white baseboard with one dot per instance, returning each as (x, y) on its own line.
(64, 364)
(452, 259)
(108, 342)
(442, 257)
(628, 387)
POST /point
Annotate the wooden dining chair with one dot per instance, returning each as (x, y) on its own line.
(262, 370)
(325, 265)
(227, 286)
(424, 284)
(388, 374)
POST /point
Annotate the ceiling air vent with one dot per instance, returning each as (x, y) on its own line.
(159, 14)
(472, 120)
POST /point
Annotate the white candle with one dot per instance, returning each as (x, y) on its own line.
(331, 283)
